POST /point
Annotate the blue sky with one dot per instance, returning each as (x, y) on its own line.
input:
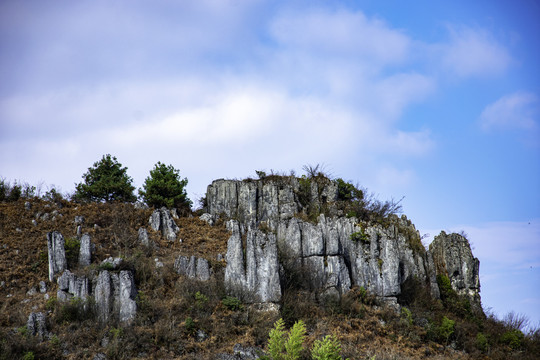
(435, 101)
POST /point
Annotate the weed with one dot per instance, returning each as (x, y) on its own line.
(232, 303)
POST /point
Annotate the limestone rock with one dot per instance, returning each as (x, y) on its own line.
(162, 220)
(85, 251)
(143, 237)
(56, 253)
(255, 278)
(71, 285)
(194, 268)
(207, 218)
(127, 296)
(453, 257)
(112, 263)
(37, 325)
(103, 296)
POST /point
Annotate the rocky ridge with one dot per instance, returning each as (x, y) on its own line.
(334, 253)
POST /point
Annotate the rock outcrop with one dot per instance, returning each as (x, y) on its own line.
(85, 251)
(162, 220)
(37, 325)
(115, 294)
(334, 253)
(453, 258)
(56, 253)
(193, 267)
(71, 285)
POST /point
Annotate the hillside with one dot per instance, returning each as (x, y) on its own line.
(212, 286)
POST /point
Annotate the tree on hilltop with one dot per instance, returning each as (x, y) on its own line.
(106, 181)
(165, 187)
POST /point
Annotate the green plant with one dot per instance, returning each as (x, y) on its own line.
(281, 348)
(189, 326)
(360, 236)
(232, 303)
(407, 315)
(23, 330)
(446, 329)
(348, 192)
(29, 355)
(54, 341)
(72, 246)
(51, 303)
(328, 348)
(116, 332)
(200, 299)
(165, 187)
(106, 181)
(513, 338)
(482, 342)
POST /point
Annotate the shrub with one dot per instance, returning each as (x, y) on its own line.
(327, 349)
(513, 338)
(281, 348)
(446, 329)
(106, 181)
(164, 187)
(482, 342)
(232, 303)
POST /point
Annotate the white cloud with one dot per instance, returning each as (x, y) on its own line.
(341, 33)
(520, 110)
(474, 52)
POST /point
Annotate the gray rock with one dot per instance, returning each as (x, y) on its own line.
(37, 325)
(192, 267)
(71, 285)
(85, 251)
(208, 218)
(201, 335)
(162, 220)
(42, 287)
(103, 296)
(56, 253)
(453, 257)
(100, 356)
(112, 263)
(27, 205)
(32, 291)
(242, 353)
(126, 299)
(79, 220)
(34, 222)
(256, 278)
(143, 237)
(79, 231)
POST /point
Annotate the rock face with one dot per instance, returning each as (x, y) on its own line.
(56, 253)
(453, 257)
(252, 272)
(333, 253)
(162, 220)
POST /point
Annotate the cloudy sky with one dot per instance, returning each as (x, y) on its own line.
(435, 101)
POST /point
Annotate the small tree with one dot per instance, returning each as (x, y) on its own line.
(106, 181)
(286, 349)
(164, 187)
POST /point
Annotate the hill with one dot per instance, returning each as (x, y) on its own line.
(211, 285)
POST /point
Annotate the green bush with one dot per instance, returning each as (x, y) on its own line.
(446, 329)
(348, 192)
(106, 181)
(232, 303)
(282, 348)
(328, 348)
(513, 338)
(482, 342)
(165, 187)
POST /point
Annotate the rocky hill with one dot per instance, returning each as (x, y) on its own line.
(115, 281)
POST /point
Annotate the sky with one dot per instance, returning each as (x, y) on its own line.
(435, 101)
